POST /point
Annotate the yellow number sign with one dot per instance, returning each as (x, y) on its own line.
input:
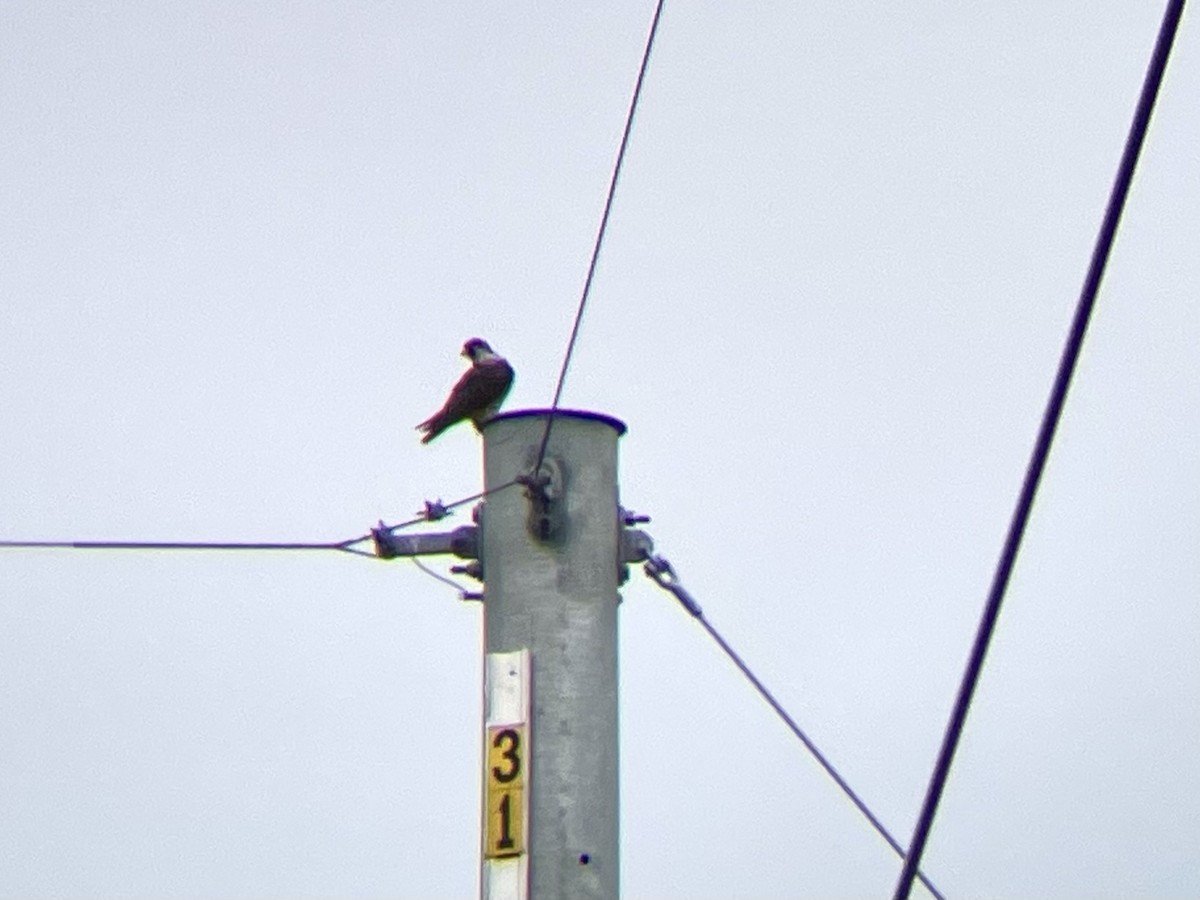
(505, 777)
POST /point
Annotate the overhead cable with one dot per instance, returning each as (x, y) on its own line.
(1045, 436)
(612, 189)
(346, 546)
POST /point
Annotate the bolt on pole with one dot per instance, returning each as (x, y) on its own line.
(550, 556)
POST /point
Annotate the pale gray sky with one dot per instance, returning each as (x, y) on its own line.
(241, 246)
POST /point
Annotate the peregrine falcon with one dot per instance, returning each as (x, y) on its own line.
(477, 395)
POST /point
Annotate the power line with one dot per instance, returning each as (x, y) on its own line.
(660, 571)
(346, 546)
(1041, 450)
(433, 512)
(612, 189)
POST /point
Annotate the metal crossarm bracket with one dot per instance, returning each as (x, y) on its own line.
(462, 542)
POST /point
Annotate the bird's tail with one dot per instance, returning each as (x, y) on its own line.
(433, 426)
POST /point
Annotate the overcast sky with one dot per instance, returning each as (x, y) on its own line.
(240, 248)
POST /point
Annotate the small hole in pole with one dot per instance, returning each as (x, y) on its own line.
(584, 859)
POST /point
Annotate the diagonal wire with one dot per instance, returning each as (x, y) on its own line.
(612, 189)
(446, 507)
(660, 571)
(1041, 450)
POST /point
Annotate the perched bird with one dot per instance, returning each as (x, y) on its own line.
(477, 395)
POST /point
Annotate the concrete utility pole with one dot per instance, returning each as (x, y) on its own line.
(551, 561)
